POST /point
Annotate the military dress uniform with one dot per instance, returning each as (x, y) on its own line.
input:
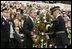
(59, 29)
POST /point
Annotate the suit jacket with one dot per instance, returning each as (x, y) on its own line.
(26, 30)
(5, 30)
(27, 27)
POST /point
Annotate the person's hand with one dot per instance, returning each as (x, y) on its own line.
(21, 35)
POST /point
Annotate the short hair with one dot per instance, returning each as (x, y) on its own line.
(30, 10)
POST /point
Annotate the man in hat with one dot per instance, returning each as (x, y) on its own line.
(59, 28)
(5, 29)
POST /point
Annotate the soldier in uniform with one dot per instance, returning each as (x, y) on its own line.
(59, 28)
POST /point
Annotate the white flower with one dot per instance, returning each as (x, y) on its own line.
(45, 43)
(38, 22)
(34, 36)
(50, 45)
(42, 40)
(51, 19)
(45, 21)
(44, 17)
(37, 18)
(42, 33)
(35, 40)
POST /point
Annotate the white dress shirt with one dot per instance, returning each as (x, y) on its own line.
(4, 17)
(31, 18)
(11, 30)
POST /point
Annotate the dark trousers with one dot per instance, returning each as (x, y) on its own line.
(5, 44)
(60, 46)
(16, 43)
(28, 43)
(12, 43)
(61, 40)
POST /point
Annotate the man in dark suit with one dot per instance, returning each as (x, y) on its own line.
(59, 28)
(27, 28)
(5, 30)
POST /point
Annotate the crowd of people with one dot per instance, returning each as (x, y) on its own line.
(17, 23)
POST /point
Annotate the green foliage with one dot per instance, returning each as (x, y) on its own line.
(69, 36)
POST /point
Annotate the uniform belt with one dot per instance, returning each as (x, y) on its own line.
(60, 32)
